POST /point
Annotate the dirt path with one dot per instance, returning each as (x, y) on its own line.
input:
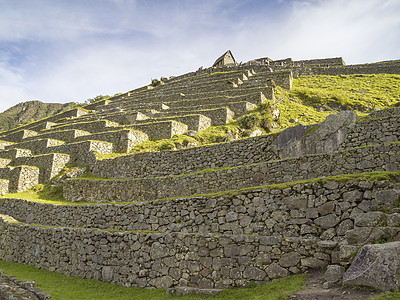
(315, 291)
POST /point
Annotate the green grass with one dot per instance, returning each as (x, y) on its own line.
(44, 193)
(389, 296)
(63, 287)
(358, 92)
(311, 100)
(392, 177)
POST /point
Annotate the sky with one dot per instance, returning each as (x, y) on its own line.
(73, 50)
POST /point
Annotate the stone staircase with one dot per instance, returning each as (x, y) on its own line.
(203, 218)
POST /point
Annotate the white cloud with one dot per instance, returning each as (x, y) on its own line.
(71, 51)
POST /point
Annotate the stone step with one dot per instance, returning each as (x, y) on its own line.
(93, 126)
(36, 146)
(191, 265)
(256, 99)
(17, 136)
(140, 103)
(49, 164)
(186, 290)
(96, 105)
(69, 135)
(4, 162)
(83, 152)
(4, 144)
(14, 153)
(4, 186)
(43, 126)
(160, 130)
(194, 122)
(123, 140)
(73, 113)
(126, 118)
(218, 116)
(291, 169)
(20, 178)
(237, 107)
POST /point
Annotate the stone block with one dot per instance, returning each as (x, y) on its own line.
(276, 271)
(376, 266)
(334, 273)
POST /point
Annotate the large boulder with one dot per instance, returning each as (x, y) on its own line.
(376, 266)
(327, 136)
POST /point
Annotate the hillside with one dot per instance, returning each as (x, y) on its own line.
(310, 101)
(30, 111)
(223, 178)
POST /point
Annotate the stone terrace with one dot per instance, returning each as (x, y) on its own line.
(209, 217)
(117, 125)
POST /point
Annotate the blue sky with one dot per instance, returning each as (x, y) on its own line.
(72, 50)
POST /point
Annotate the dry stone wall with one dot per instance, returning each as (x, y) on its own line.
(377, 158)
(18, 136)
(384, 68)
(161, 130)
(150, 164)
(160, 260)
(123, 140)
(371, 131)
(36, 146)
(50, 164)
(62, 135)
(312, 210)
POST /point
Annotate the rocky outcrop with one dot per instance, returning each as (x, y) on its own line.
(376, 266)
(325, 137)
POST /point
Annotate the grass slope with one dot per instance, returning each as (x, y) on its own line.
(62, 287)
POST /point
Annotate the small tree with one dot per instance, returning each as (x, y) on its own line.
(97, 98)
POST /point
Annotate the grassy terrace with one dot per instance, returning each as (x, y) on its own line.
(310, 101)
(46, 193)
(62, 287)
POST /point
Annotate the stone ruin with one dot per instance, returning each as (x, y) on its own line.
(209, 217)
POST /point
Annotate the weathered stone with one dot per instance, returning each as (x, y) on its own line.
(376, 266)
(385, 199)
(358, 235)
(231, 250)
(311, 262)
(328, 136)
(276, 271)
(344, 226)
(107, 274)
(352, 196)
(231, 216)
(347, 252)
(289, 259)
(163, 282)
(270, 240)
(370, 219)
(334, 273)
(326, 208)
(253, 273)
(157, 251)
(328, 221)
(293, 202)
